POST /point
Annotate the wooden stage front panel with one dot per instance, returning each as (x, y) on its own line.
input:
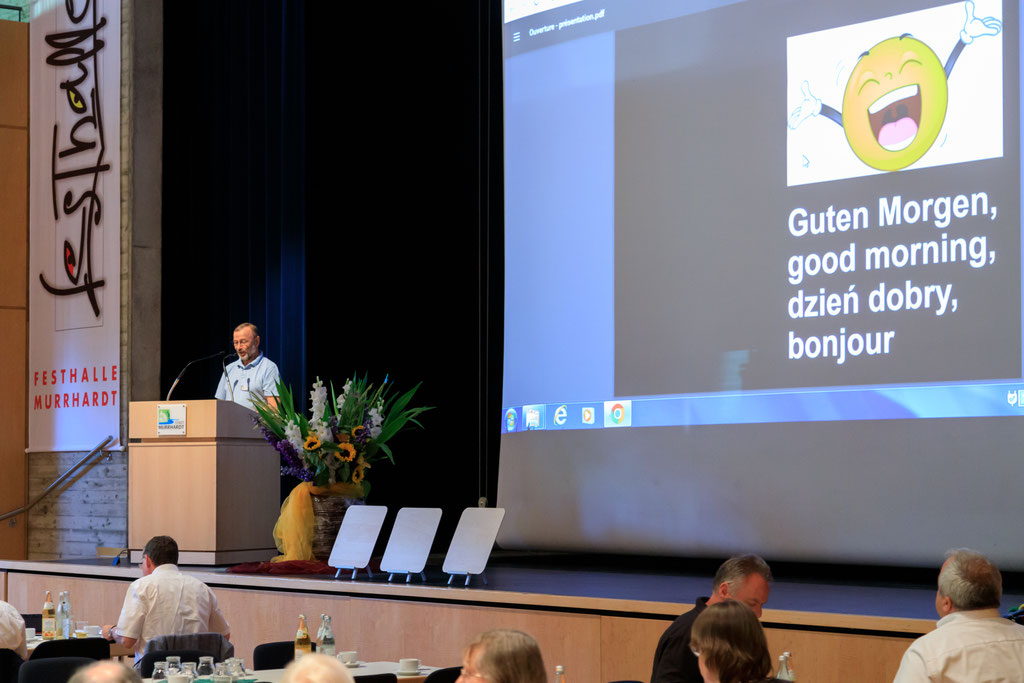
(596, 639)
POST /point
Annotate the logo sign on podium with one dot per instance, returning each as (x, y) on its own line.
(170, 419)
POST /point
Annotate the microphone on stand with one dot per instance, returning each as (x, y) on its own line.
(227, 380)
(182, 373)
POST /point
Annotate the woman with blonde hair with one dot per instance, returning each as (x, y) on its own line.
(503, 656)
(730, 646)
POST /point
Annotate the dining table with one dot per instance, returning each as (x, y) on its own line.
(117, 650)
(360, 669)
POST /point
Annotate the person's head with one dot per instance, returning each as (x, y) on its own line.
(730, 644)
(968, 580)
(106, 671)
(745, 578)
(503, 656)
(159, 550)
(316, 668)
(246, 340)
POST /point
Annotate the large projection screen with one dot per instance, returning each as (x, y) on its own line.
(763, 279)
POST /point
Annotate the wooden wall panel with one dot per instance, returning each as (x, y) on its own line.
(96, 600)
(13, 215)
(437, 633)
(13, 279)
(592, 647)
(14, 75)
(13, 334)
(392, 629)
(838, 656)
(627, 647)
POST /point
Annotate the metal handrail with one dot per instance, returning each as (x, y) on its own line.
(60, 480)
(12, 8)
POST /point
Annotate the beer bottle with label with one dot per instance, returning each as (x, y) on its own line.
(49, 619)
(303, 645)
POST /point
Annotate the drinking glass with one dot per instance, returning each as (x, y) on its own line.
(205, 667)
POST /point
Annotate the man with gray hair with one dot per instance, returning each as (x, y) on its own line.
(744, 578)
(253, 373)
(106, 671)
(971, 641)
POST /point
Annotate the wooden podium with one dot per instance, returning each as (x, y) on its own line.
(215, 490)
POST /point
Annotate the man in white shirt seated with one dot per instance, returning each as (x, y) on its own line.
(971, 642)
(165, 602)
(12, 630)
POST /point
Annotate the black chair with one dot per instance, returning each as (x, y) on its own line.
(51, 669)
(276, 655)
(448, 675)
(146, 663)
(92, 648)
(34, 621)
(10, 662)
(377, 678)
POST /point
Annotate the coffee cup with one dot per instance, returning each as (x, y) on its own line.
(93, 631)
(348, 657)
(408, 666)
(179, 678)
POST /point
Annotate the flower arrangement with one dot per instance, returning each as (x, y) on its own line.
(345, 433)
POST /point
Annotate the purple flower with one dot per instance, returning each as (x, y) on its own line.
(364, 434)
(298, 473)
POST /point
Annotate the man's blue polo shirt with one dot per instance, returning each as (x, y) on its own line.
(260, 376)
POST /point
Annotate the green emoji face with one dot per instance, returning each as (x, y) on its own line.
(895, 103)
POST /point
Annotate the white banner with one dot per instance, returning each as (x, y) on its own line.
(75, 224)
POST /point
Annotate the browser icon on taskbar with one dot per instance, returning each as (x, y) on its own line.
(618, 413)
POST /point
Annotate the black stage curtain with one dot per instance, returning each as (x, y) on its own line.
(324, 178)
(234, 205)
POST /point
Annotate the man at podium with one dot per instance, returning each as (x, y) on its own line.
(251, 373)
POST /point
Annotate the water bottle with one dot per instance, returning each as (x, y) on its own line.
(560, 674)
(69, 619)
(785, 670)
(327, 645)
(61, 616)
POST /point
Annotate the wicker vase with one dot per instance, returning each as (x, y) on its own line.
(328, 511)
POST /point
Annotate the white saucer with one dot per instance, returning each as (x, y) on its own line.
(352, 665)
(411, 672)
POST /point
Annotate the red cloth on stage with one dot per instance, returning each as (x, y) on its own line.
(288, 567)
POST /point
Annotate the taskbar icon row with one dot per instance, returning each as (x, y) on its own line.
(617, 413)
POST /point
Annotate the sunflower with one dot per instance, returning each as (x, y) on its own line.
(313, 442)
(358, 474)
(356, 430)
(348, 452)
